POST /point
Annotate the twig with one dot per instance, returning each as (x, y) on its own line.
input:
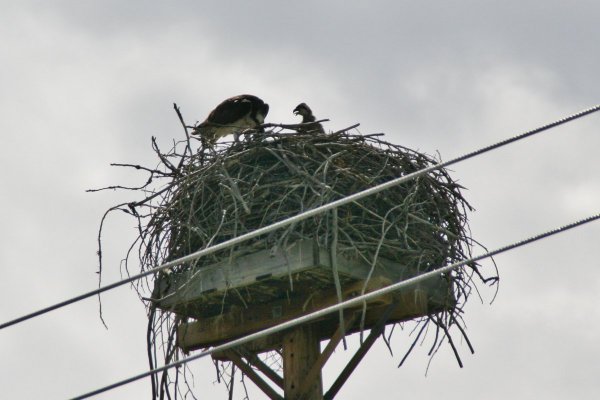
(188, 148)
(412, 346)
(162, 158)
(345, 129)
(334, 267)
(137, 166)
(292, 126)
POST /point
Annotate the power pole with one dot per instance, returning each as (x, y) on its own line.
(301, 349)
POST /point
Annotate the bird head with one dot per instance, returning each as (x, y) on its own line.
(302, 109)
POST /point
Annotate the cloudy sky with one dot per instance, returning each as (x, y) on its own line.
(84, 84)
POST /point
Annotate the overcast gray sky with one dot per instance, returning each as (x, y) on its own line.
(84, 84)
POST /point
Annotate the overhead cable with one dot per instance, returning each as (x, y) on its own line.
(302, 216)
(340, 306)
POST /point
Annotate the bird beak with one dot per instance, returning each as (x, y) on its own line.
(296, 112)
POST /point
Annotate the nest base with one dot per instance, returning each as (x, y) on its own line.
(284, 287)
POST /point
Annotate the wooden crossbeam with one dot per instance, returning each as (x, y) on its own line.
(242, 321)
(316, 369)
(250, 373)
(360, 353)
(262, 367)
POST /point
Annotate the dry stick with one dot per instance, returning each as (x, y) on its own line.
(375, 258)
(145, 185)
(291, 126)
(149, 341)
(412, 346)
(435, 340)
(347, 129)
(137, 166)
(235, 191)
(187, 136)
(284, 159)
(232, 381)
(154, 195)
(99, 253)
(461, 329)
(442, 325)
(336, 276)
(386, 340)
(168, 358)
(162, 158)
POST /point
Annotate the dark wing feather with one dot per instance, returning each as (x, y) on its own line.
(230, 111)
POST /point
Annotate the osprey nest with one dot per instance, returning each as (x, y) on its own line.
(211, 195)
(240, 187)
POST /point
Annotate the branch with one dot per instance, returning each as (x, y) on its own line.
(162, 158)
(292, 126)
(137, 166)
(348, 128)
(188, 148)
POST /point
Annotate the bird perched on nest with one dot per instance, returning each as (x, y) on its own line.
(233, 115)
(307, 116)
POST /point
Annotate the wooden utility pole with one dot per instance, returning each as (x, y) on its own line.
(301, 349)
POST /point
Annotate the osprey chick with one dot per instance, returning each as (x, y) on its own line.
(307, 116)
(233, 115)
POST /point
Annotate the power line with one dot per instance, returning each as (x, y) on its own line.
(340, 306)
(302, 216)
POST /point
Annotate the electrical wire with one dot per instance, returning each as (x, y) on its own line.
(302, 216)
(340, 306)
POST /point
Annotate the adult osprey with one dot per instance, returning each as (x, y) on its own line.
(307, 116)
(233, 115)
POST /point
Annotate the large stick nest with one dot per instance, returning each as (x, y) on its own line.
(236, 189)
(215, 194)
